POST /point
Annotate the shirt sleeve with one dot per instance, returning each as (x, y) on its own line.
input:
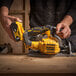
(72, 10)
(6, 3)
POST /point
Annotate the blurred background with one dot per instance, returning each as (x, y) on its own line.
(21, 9)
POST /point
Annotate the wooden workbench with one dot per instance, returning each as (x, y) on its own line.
(26, 64)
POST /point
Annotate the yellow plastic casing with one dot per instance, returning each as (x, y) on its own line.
(20, 30)
(46, 46)
(35, 45)
(49, 46)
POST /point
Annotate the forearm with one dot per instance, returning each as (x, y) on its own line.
(4, 11)
(68, 20)
(4, 16)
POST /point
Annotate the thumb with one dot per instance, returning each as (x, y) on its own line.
(17, 19)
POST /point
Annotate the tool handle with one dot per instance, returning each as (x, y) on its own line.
(37, 30)
(17, 30)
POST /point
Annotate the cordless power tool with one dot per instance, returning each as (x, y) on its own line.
(43, 39)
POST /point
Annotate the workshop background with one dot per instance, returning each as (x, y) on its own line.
(26, 64)
(21, 9)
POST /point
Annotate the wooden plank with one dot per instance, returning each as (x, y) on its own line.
(26, 64)
(17, 5)
(17, 11)
(26, 15)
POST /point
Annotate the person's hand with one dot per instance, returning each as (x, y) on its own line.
(6, 22)
(63, 28)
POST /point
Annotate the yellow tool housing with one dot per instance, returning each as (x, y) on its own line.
(49, 45)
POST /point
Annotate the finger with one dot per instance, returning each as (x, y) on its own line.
(67, 34)
(64, 31)
(14, 18)
(17, 19)
(60, 35)
(59, 26)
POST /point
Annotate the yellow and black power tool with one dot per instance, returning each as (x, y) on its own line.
(43, 39)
